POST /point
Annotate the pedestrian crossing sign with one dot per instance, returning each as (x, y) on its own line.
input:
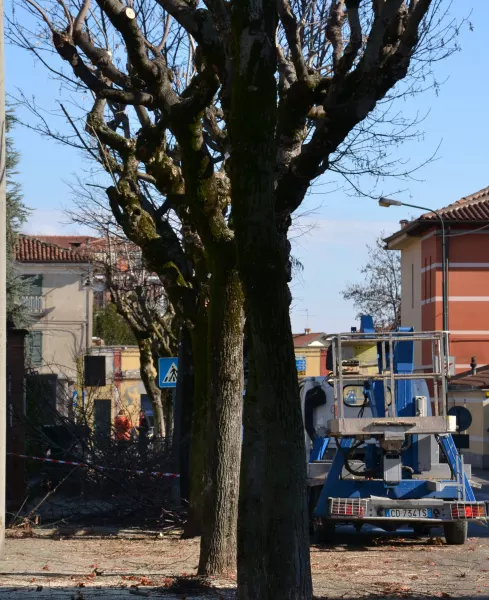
(167, 372)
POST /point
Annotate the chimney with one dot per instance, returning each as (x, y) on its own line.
(403, 223)
(307, 331)
(473, 365)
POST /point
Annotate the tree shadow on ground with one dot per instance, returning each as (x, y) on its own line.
(402, 596)
(347, 539)
(174, 588)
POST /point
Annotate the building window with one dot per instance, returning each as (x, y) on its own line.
(94, 371)
(424, 291)
(412, 286)
(33, 293)
(34, 348)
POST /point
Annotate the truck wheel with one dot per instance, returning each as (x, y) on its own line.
(456, 533)
(325, 530)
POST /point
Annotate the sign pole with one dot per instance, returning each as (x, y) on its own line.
(3, 286)
(167, 379)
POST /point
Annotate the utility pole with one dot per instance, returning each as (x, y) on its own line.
(386, 202)
(3, 290)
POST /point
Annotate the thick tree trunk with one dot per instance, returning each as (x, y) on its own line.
(262, 260)
(251, 526)
(184, 409)
(167, 404)
(288, 571)
(153, 391)
(221, 488)
(199, 424)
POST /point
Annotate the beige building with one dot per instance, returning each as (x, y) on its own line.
(60, 302)
(118, 386)
(310, 351)
(472, 392)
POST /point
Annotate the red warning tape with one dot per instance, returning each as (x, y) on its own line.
(84, 465)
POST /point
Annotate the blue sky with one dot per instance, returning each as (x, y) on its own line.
(338, 225)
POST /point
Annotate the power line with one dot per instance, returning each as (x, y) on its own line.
(466, 232)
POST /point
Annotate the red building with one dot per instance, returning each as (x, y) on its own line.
(466, 224)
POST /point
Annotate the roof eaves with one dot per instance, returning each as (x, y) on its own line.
(31, 250)
(469, 373)
(419, 225)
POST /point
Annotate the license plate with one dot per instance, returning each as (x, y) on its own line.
(409, 513)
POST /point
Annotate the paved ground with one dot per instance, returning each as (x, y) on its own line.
(368, 565)
(133, 564)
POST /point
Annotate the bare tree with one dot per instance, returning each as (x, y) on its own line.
(231, 111)
(183, 246)
(141, 300)
(379, 294)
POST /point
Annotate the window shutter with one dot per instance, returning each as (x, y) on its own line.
(35, 347)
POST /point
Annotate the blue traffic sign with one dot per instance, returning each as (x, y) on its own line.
(300, 363)
(167, 372)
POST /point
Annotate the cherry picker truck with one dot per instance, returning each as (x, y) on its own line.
(385, 432)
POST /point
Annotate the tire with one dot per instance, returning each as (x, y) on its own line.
(456, 533)
(324, 531)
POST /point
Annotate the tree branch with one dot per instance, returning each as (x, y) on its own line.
(67, 50)
(199, 24)
(81, 16)
(161, 45)
(291, 28)
(354, 45)
(333, 30)
(80, 137)
(44, 16)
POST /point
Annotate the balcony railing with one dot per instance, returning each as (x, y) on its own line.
(34, 304)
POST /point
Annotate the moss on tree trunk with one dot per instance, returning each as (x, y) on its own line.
(223, 451)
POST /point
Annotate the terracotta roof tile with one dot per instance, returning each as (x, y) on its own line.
(31, 249)
(89, 244)
(470, 208)
(67, 241)
(480, 380)
(305, 339)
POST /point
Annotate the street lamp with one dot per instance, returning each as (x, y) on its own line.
(386, 202)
